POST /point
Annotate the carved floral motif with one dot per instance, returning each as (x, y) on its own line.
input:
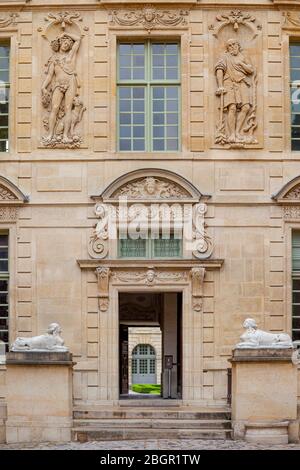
(149, 17)
(150, 188)
(11, 19)
(60, 89)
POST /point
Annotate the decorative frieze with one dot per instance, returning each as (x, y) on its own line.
(9, 214)
(149, 18)
(149, 277)
(291, 212)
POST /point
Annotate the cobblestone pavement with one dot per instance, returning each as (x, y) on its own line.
(154, 444)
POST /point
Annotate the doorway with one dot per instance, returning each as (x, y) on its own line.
(150, 345)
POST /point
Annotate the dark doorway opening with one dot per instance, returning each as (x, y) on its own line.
(159, 363)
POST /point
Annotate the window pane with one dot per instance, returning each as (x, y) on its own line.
(4, 266)
(131, 61)
(167, 247)
(165, 122)
(4, 288)
(165, 61)
(129, 248)
(131, 118)
(4, 95)
(3, 240)
(295, 93)
(155, 116)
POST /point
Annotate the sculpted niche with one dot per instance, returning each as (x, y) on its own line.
(236, 34)
(235, 77)
(61, 86)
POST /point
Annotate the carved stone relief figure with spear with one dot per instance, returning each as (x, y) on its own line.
(236, 87)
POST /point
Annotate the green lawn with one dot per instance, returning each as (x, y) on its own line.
(146, 388)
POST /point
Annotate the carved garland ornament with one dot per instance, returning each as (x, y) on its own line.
(11, 19)
(61, 87)
(149, 17)
(235, 18)
(149, 277)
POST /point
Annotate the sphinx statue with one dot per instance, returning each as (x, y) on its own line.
(50, 341)
(255, 338)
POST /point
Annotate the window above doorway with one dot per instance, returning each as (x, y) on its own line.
(148, 82)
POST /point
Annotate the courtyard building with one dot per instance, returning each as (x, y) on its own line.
(149, 204)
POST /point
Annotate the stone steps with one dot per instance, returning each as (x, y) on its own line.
(82, 434)
(153, 423)
(100, 423)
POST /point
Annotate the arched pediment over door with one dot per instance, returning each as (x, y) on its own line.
(151, 191)
(11, 197)
(289, 198)
(149, 185)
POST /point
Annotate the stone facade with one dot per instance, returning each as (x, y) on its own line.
(244, 268)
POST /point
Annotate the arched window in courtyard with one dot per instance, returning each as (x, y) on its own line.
(143, 364)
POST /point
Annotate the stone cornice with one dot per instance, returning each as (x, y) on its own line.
(183, 264)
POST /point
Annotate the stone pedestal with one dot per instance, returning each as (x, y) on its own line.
(264, 396)
(39, 397)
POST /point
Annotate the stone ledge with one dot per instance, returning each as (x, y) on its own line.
(39, 358)
(262, 355)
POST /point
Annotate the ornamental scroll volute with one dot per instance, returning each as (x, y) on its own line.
(236, 44)
(61, 91)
